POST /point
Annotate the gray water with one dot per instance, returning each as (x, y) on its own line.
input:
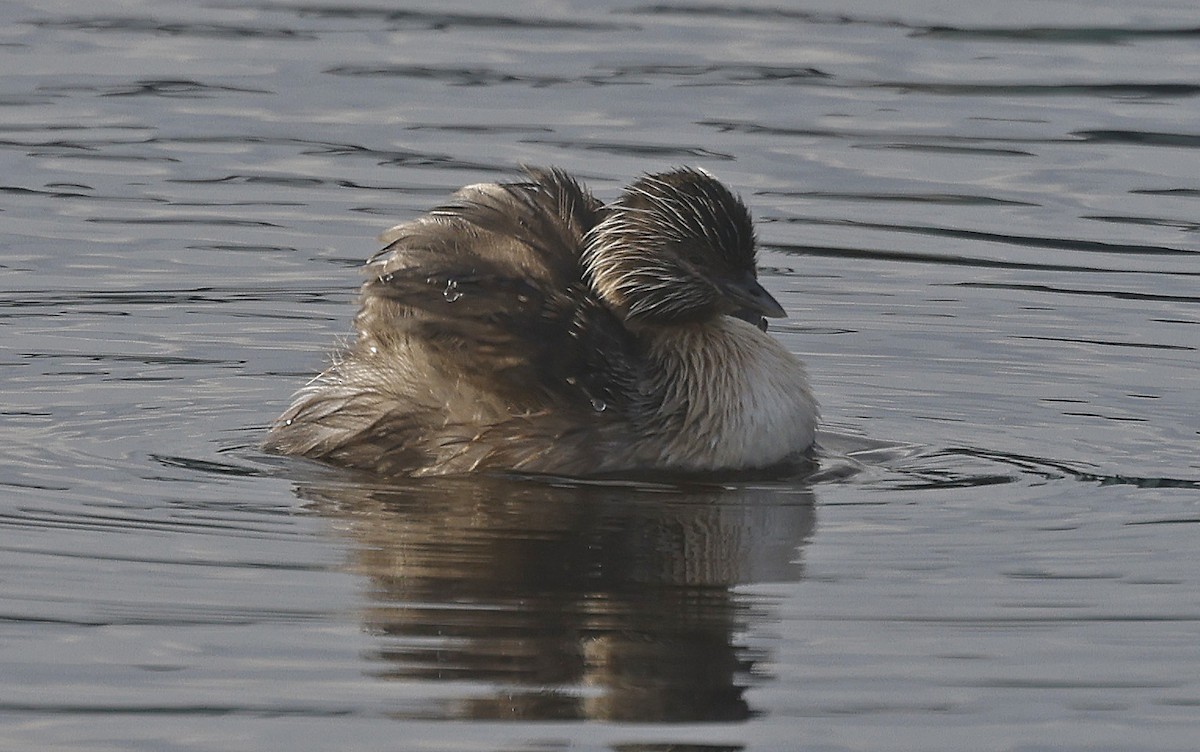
(982, 217)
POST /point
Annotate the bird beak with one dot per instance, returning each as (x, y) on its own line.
(750, 297)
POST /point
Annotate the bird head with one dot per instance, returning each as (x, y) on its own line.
(677, 247)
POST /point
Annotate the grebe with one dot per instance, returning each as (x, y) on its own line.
(526, 326)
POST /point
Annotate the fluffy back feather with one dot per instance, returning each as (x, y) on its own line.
(475, 318)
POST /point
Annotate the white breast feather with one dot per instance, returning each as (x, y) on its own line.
(746, 398)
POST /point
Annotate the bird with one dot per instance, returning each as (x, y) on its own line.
(528, 327)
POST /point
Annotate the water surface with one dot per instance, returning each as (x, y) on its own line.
(984, 226)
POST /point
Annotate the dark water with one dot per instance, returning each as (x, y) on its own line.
(983, 218)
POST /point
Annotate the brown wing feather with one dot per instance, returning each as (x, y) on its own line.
(479, 345)
(492, 286)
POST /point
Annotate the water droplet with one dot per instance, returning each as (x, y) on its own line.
(599, 405)
(451, 293)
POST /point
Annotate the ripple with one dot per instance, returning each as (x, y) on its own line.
(1107, 343)
(72, 299)
(49, 193)
(951, 149)
(1179, 192)
(635, 149)
(1178, 224)
(181, 559)
(181, 88)
(319, 147)
(1067, 244)
(1062, 34)
(403, 157)
(120, 520)
(1050, 469)
(1109, 90)
(768, 13)
(1145, 138)
(892, 137)
(913, 467)
(141, 25)
(918, 257)
(304, 182)
(446, 75)
(181, 220)
(210, 467)
(480, 129)
(94, 150)
(723, 73)
(1114, 294)
(438, 21)
(945, 199)
(182, 710)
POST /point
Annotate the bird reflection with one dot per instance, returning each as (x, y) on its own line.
(568, 601)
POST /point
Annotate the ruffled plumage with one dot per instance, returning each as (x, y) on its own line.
(526, 326)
